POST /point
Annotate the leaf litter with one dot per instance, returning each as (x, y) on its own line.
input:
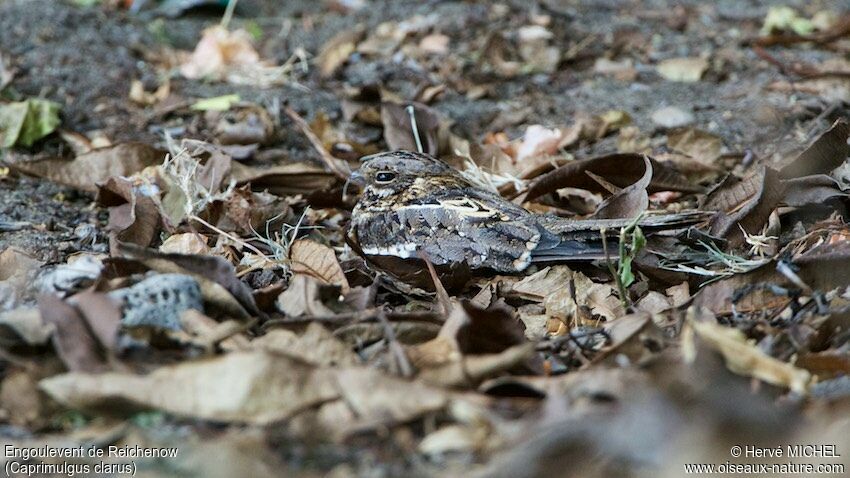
(227, 296)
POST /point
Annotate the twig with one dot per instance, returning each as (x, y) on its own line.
(333, 164)
(225, 330)
(229, 236)
(611, 269)
(411, 111)
(442, 296)
(228, 13)
(366, 315)
(404, 366)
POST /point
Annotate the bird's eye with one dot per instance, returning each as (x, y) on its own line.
(384, 177)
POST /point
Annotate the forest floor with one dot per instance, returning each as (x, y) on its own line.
(610, 385)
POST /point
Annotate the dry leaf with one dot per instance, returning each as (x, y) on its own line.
(702, 146)
(87, 170)
(218, 51)
(628, 202)
(73, 342)
(398, 128)
(24, 325)
(686, 70)
(302, 298)
(17, 271)
(249, 387)
(317, 261)
(337, 50)
(826, 153)
(746, 359)
(747, 203)
(316, 345)
(435, 43)
(186, 243)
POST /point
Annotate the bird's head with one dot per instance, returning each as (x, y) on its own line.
(385, 174)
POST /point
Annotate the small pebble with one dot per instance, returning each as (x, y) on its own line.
(672, 117)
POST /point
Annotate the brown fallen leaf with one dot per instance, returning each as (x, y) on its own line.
(621, 170)
(218, 51)
(134, 216)
(336, 51)
(87, 170)
(316, 345)
(302, 297)
(699, 145)
(21, 399)
(24, 326)
(317, 261)
(73, 342)
(220, 286)
(628, 202)
(185, 243)
(398, 129)
(826, 153)
(256, 387)
(814, 189)
(17, 271)
(745, 204)
(745, 358)
(206, 333)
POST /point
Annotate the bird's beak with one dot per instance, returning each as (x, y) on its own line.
(355, 178)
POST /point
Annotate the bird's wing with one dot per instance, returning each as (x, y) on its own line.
(461, 224)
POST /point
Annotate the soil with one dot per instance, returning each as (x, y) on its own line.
(86, 58)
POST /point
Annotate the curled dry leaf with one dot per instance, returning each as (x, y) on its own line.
(747, 203)
(746, 359)
(284, 180)
(628, 202)
(621, 170)
(317, 261)
(134, 214)
(302, 297)
(541, 141)
(826, 153)
(185, 243)
(87, 170)
(337, 50)
(814, 189)
(398, 129)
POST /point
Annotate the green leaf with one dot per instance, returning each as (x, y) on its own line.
(626, 275)
(218, 103)
(25, 122)
(638, 241)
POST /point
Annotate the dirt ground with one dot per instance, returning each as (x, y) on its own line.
(86, 59)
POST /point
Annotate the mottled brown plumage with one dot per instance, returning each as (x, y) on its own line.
(415, 206)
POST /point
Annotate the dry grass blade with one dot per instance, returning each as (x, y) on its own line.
(334, 165)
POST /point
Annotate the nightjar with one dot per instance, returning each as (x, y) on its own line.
(414, 206)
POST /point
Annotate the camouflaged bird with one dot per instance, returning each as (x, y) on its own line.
(414, 206)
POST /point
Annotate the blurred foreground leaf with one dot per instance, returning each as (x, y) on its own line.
(25, 122)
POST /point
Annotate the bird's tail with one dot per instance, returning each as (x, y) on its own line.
(573, 240)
